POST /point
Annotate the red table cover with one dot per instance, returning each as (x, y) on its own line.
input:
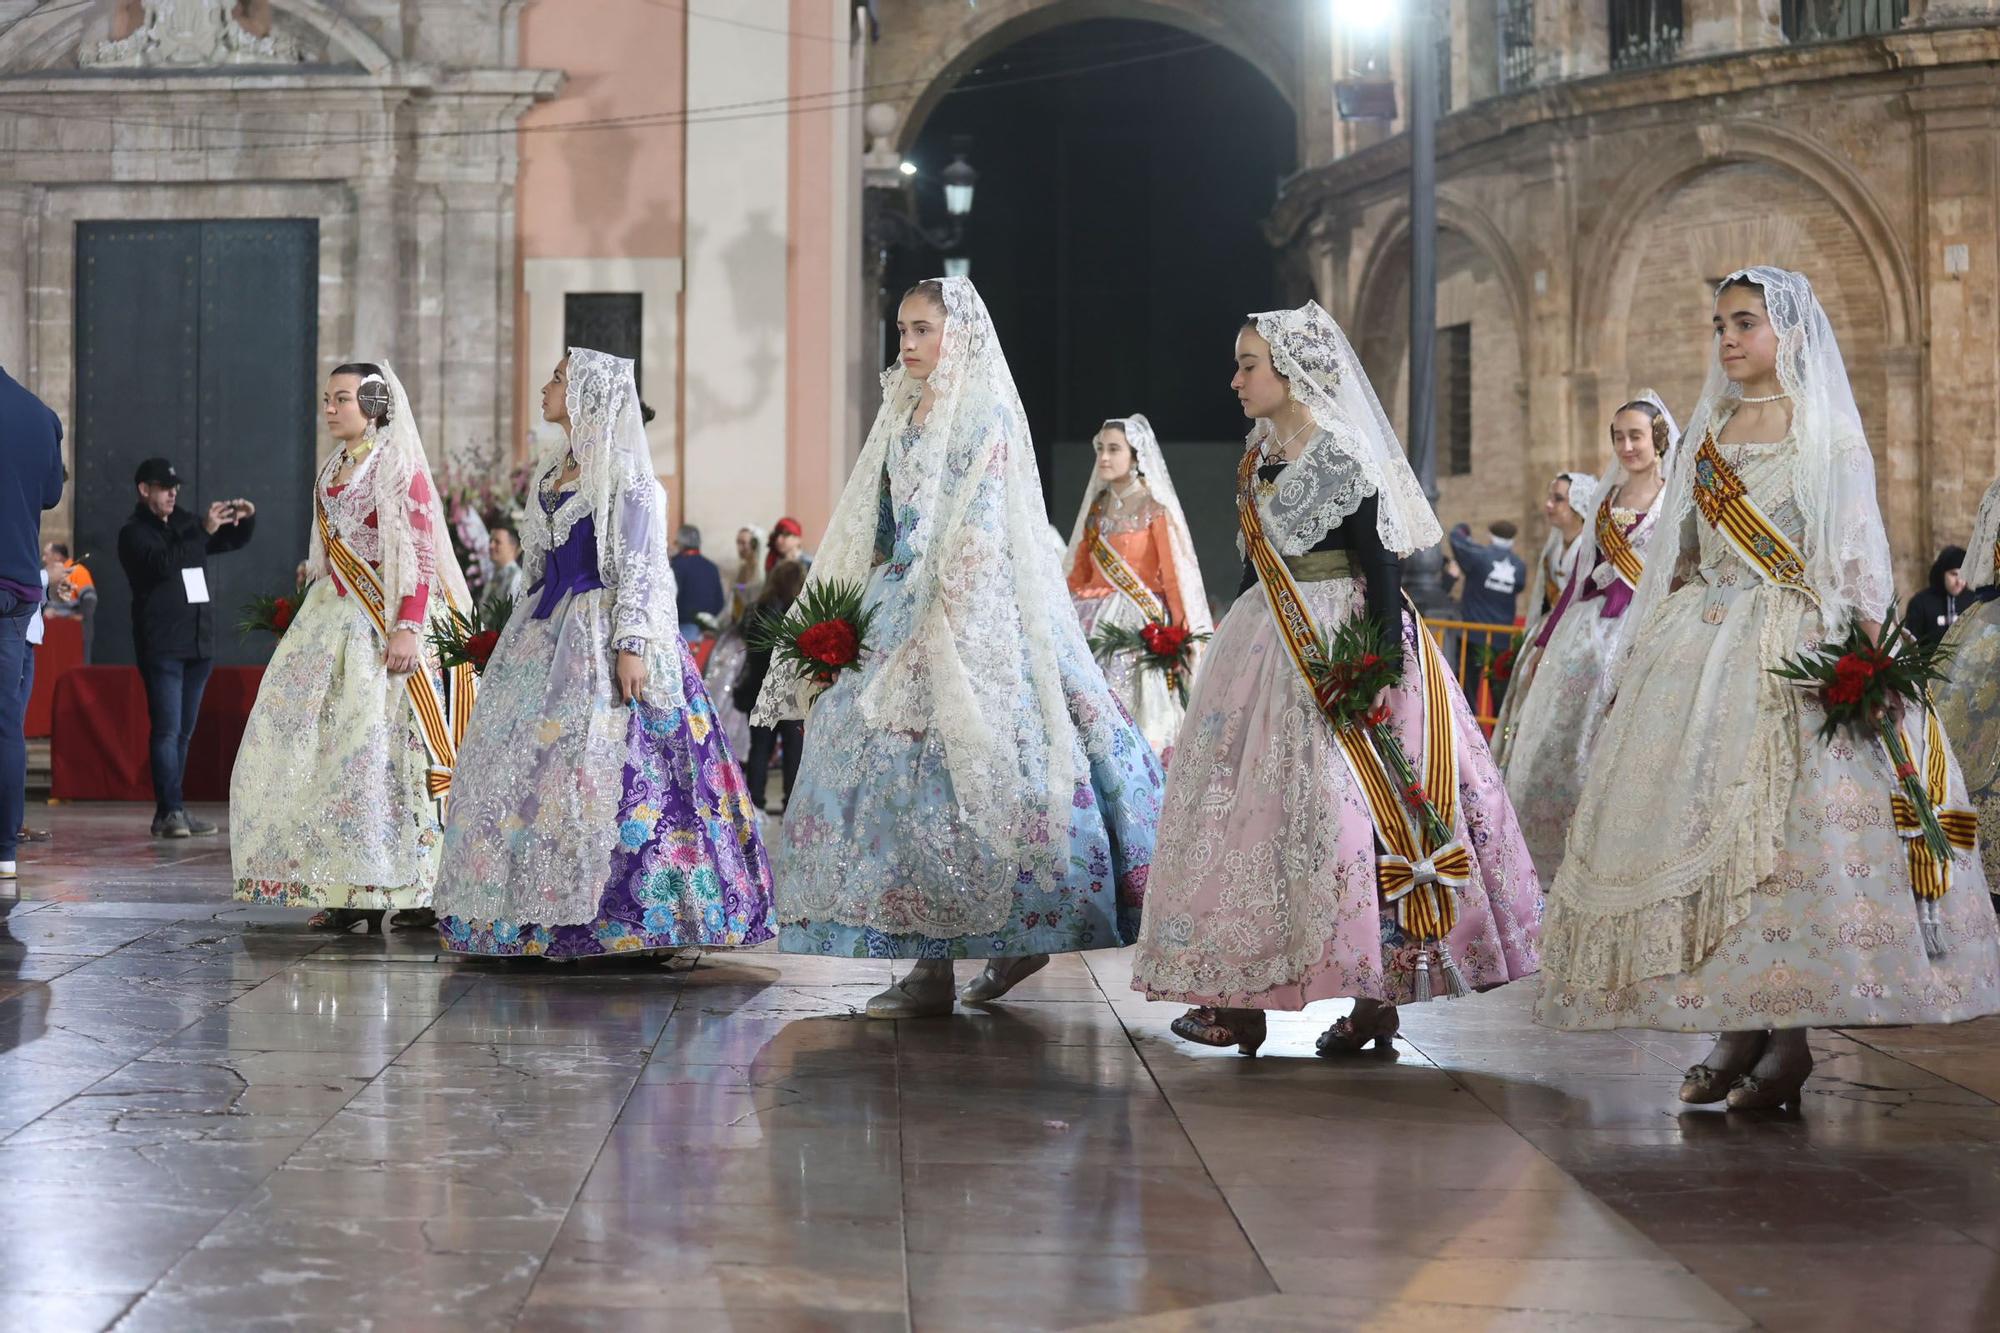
(61, 652)
(98, 746)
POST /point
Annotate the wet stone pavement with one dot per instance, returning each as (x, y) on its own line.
(211, 1118)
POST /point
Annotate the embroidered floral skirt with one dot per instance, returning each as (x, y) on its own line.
(327, 801)
(871, 806)
(1154, 708)
(1811, 909)
(1968, 704)
(1555, 730)
(1264, 891)
(725, 664)
(587, 827)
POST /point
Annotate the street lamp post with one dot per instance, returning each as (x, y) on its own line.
(1372, 99)
(890, 216)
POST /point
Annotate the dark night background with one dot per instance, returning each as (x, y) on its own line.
(1115, 232)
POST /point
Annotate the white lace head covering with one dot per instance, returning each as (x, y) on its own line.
(1978, 569)
(398, 460)
(1151, 465)
(979, 667)
(1355, 455)
(1582, 493)
(607, 437)
(1615, 475)
(1846, 550)
(1558, 552)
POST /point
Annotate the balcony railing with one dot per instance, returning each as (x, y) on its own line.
(1645, 32)
(1833, 20)
(1517, 43)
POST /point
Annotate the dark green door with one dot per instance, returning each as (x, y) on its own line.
(197, 341)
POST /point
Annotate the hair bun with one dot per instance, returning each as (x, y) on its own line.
(373, 399)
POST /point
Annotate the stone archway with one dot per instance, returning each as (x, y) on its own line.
(926, 48)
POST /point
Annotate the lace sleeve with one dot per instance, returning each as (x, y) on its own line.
(641, 584)
(410, 612)
(1861, 564)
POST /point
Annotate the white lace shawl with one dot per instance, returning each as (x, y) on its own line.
(1152, 469)
(617, 488)
(1846, 548)
(1978, 570)
(391, 470)
(1354, 454)
(979, 667)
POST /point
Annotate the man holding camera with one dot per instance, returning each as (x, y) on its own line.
(165, 553)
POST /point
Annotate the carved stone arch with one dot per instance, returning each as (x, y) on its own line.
(49, 38)
(1607, 271)
(1456, 213)
(917, 70)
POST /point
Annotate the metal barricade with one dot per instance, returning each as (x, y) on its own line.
(1455, 638)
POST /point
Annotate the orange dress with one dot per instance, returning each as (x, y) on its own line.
(1140, 531)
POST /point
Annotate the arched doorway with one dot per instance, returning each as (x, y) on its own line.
(1125, 172)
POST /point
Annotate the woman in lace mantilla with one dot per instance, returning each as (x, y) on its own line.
(1781, 896)
(972, 789)
(354, 714)
(1567, 506)
(1265, 890)
(1568, 689)
(1132, 507)
(1968, 701)
(601, 810)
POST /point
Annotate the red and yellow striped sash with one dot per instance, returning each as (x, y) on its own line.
(1611, 540)
(1120, 576)
(442, 717)
(1724, 501)
(1412, 860)
(1930, 875)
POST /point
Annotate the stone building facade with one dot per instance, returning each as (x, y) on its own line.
(390, 122)
(1585, 213)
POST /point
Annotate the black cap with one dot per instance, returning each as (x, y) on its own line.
(157, 472)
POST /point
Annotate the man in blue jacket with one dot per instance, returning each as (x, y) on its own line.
(698, 583)
(1493, 579)
(165, 551)
(31, 480)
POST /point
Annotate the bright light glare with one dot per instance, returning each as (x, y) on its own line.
(908, 168)
(1365, 17)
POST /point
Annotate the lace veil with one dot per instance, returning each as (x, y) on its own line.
(399, 460)
(1615, 476)
(1582, 498)
(1355, 455)
(1152, 466)
(1846, 549)
(616, 486)
(1978, 570)
(978, 668)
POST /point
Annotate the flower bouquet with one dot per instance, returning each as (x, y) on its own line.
(469, 640)
(271, 615)
(1500, 662)
(1159, 645)
(824, 634)
(1858, 679)
(1349, 668)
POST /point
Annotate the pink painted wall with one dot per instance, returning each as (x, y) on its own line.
(810, 275)
(604, 193)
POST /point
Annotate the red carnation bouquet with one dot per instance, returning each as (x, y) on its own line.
(1858, 679)
(469, 640)
(1160, 645)
(1500, 662)
(270, 615)
(824, 634)
(1349, 669)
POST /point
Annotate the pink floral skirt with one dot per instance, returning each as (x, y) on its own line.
(1263, 889)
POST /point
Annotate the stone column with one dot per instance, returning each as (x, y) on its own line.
(17, 204)
(1712, 27)
(378, 273)
(1572, 41)
(1955, 399)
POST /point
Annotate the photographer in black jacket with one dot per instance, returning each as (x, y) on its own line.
(165, 553)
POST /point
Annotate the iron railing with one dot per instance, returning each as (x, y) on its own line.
(1517, 44)
(1835, 20)
(1644, 33)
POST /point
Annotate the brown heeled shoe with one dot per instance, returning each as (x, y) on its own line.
(1346, 1037)
(1705, 1083)
(1206, 1026)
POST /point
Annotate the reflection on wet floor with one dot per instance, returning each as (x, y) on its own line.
(212, 1118)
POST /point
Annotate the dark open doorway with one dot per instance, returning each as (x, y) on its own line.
(1117, 233)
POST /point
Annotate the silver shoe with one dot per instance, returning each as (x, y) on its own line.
(1001, 975)
(921, 993)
